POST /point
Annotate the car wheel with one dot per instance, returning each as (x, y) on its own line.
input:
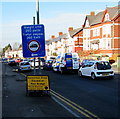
(93, 76)
(80, 73)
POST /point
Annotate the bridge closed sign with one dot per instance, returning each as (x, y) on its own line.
(33, 41)
(37, 83)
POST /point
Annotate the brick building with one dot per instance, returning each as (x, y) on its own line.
(99, 36)
(101, 33)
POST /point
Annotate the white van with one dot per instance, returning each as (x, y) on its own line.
(68, 62)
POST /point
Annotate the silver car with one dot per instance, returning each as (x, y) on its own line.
(23, 66)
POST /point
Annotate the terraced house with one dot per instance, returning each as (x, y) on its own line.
(98, 36)
(100, 32)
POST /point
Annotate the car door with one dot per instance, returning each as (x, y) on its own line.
(84, 69)
(89, 68)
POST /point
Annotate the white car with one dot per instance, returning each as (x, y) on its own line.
(23, 66)
(95, 69)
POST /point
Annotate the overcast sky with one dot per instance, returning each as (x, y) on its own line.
(56, 16)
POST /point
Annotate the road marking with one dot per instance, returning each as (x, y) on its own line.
(72, 106)
(65, 107)
(75, 106)
(23, 74)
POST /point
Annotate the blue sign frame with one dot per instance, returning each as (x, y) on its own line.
(33, 41)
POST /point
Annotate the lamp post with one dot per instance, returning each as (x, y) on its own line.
(37, 11)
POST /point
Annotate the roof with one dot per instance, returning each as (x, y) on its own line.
(98, 18)
(113, 12)
(75, 31)
(64, 36)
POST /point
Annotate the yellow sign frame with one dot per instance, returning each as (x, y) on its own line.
(38, 82)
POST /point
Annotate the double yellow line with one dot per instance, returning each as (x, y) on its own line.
(76, 107)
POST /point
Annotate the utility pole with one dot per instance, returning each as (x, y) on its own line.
(37, 10)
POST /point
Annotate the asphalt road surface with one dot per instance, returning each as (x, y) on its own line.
(71, 96)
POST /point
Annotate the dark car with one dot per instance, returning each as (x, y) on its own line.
(33, 46)
(48, 64)
(12, 63)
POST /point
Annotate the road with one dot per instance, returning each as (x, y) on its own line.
(71, 96)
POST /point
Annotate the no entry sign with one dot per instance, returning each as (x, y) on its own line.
(33, 41)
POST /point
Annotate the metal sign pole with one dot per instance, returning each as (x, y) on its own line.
(34, 57)
(37, 9)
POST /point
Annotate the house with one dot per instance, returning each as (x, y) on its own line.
(63, 43)
(100, 32)
(14, 53)
(77, 37)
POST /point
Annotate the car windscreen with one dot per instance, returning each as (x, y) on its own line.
(26, 63)
(103, 65)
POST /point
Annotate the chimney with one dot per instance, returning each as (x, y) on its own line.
(92, 13)
(70, 28)
(52, 37)
(60, 33)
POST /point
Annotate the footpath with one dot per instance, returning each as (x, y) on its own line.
(17, 105)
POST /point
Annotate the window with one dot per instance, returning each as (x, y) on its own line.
(103, 65)
(107, 17)
(96, 32)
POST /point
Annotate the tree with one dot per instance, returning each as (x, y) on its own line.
(20, 46)
(8, 47)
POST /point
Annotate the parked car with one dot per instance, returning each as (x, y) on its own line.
(55, 66)
(24, 66)
(4, 60)
(48, 64)
(42, 61)
(18, 61)
(95, 69)
(12, 63)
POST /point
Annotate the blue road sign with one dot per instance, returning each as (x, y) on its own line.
(33, 41)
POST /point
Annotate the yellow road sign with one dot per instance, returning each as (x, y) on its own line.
(37, 83)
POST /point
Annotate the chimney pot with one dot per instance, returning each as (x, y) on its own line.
(92, 13)
(70, 28)
(52, 36)
(60, 33)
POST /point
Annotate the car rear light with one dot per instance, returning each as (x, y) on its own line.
(64, 62)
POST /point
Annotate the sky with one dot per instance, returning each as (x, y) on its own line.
(56, 16)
